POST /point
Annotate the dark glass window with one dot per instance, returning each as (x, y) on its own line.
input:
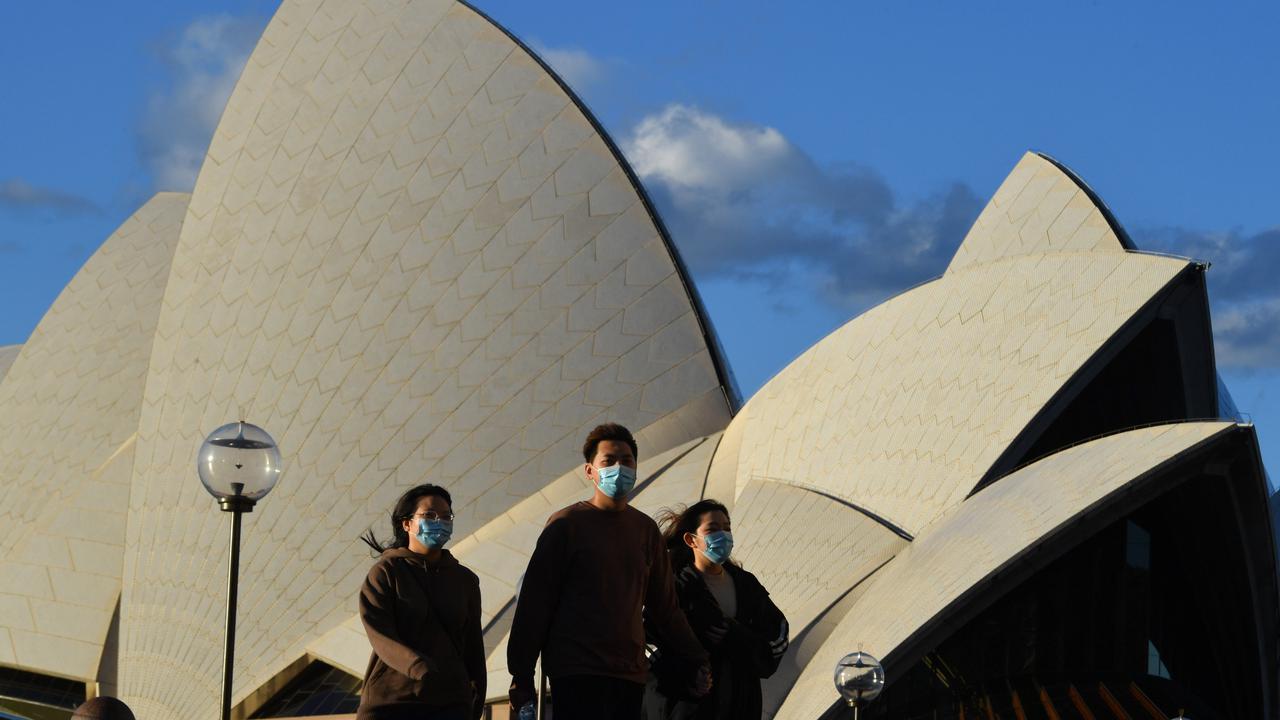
(1141, 385)
(43, 689)
(1273, 505)
(1137, 549)
(320, 689)
(1155, 666)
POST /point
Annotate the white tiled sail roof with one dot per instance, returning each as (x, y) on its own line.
(1039, 208)
(69, 409)
(411, 256)
(906, 407)
(1013, 517)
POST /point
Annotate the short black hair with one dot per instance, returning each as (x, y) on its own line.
(607, 431)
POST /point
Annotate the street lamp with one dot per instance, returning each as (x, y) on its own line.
(238, 463)
(859, 679)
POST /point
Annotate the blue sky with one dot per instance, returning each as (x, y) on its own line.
(811, 158)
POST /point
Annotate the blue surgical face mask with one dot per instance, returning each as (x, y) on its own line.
(616, 480)
(434, 533)
(719, 545)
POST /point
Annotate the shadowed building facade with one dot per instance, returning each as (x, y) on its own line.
(412, 255)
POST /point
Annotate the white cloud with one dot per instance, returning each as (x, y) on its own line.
(694, 150)
(742, 200)
(1247, 335)
(204, 63)
(576, 67)
(19, 197)
(1244, 295)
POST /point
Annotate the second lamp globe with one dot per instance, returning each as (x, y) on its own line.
(859, 678)
(238, 463)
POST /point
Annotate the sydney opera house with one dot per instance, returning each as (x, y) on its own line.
(412, 254)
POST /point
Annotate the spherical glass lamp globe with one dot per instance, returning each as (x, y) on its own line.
(859, 678)
(239, 464)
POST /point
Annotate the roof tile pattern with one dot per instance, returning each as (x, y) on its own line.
(71, 402)
(806, 548)
(1037, 209)
(813, 554)
(409, 256)
(1007, 519)
(903, 409)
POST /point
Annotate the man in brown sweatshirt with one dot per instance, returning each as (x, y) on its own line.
(597, 565)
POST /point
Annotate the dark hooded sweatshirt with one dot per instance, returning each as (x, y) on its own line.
(423, 621)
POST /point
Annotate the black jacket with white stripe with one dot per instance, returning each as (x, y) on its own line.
(744, 649)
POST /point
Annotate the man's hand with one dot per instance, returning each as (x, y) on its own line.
(715, 633)
(702, 681)
(778, 646)
(521, 693)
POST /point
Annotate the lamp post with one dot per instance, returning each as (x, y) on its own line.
(238, 463)
(859, 679)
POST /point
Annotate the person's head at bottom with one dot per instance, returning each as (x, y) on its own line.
(103, 708)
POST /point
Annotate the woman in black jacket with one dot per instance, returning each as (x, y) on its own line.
(729, 610)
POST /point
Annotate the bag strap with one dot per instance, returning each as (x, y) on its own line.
(435, 618)
(433, 615)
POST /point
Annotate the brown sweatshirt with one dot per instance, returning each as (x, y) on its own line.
(423, 621)
(591, 574)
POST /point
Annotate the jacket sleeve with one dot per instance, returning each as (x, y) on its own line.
(475, 651)
(535, 607)
(662, 607)
(701, 610)
(764, 637)
(378, 613)
(671, 671)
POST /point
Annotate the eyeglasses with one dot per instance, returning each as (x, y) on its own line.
(433, 515)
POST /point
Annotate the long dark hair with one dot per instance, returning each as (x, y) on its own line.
(404, 509)
(675, 523)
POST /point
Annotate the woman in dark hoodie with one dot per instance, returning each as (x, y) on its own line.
(730, 612)
(421, 611)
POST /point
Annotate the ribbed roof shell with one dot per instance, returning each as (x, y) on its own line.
(901, 411)
(410, 255)
(946, 566)
(1040, 207)
(69, 408)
